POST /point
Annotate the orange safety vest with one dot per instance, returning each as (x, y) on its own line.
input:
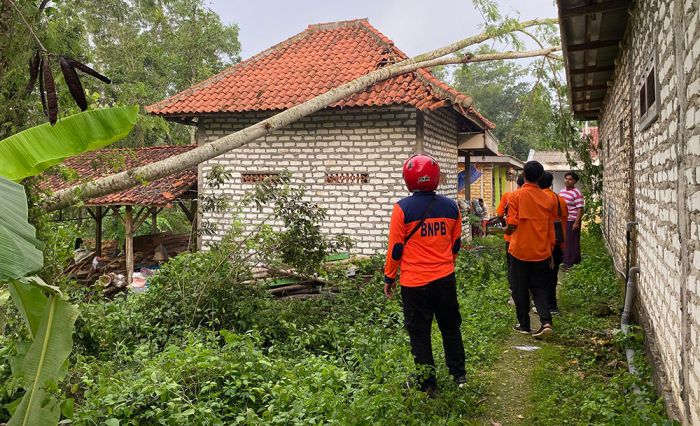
(430, 253)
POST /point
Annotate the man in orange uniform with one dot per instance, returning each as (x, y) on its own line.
(560, 237)
(531, 215)
(502, 212)
(424, 241)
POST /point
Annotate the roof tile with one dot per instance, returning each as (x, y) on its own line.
(105, 162)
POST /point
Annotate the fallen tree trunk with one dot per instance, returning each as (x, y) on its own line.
(150, 172)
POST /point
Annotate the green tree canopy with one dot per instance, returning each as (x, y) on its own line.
(150, 49)
(524, 110)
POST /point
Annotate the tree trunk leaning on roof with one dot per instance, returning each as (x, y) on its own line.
(137, 176)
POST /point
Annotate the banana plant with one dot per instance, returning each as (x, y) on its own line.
(42, 363)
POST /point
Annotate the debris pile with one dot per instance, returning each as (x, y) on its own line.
(149, 251)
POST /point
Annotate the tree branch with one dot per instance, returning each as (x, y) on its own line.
(29, 27)
(136, 176)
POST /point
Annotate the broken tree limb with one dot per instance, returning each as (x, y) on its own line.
(150, 172)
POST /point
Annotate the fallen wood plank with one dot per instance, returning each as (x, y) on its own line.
(289, 289)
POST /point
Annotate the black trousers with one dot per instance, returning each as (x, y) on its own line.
(437, 298)
(508, 258)
(557, 255)
(531, 277)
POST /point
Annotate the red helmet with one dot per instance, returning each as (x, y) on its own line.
(421, 173)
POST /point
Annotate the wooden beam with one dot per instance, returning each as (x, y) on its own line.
(586, 101)
(91, 213)
(115, 209)
(589, 88)
(607, 6)
(140, 218)
(587, 112)
(588, 70)
(591, 45)
(467, 180)
(129, 243)
(154, 220)
(98, 215)
(188, 213)
(195, 226)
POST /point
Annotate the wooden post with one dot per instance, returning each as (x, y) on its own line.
(98, 230)
(129, 242)
(467, 179)
(154, 223)
(194, 222)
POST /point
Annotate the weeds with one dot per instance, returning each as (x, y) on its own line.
(582, 378)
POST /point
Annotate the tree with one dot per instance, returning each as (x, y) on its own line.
(153, 49)
(498, 91)
(62, 33)
(150, 50)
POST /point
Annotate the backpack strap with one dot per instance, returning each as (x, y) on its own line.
(425, 215)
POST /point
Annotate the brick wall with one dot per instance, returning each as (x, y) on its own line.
(354, 140)
(651, 174)
(440, 141)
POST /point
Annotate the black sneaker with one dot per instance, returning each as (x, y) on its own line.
(430, 390)
(521, 330)
(461, 381)
(544, 332)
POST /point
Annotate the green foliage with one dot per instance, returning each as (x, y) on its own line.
(582, 378)
(31, 151)
(149, 49)
(21, 251)
(152, 50)
(42, 366)
(525, 112)
(343, 359)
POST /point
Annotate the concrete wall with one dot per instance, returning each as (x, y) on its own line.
(374, 141)
(651, 175)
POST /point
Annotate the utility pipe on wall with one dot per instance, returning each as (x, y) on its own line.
(625, 320)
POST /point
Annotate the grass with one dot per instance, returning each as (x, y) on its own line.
(582, 376)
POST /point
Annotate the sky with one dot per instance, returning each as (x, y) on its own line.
(415, 26)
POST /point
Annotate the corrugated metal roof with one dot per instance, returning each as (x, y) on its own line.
(591, 31)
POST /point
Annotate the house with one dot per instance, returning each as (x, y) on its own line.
(635, 67)
(495, 175)
(557, 162)
(349, 155)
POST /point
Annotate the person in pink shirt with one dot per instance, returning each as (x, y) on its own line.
(574, 203)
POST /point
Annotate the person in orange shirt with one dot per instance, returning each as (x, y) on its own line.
(560, 238)
(424, 241)
(502, 212)
(531, 215)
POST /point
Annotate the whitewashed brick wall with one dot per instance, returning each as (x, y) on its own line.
(668, 243)
(369, 140)
(440, 141)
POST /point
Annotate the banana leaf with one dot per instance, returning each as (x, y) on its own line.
(31, 151)
(20, 251)
(42, 367)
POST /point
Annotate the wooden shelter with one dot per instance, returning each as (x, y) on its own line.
(139, 202)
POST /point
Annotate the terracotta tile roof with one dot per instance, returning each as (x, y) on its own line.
(105, 162)
(310, 63)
